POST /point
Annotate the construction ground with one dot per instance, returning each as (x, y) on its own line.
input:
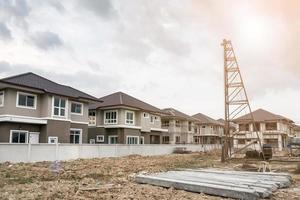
(113, 178)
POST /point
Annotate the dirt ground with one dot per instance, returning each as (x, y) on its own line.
(112, 178)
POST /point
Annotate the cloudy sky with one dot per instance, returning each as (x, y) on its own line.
(166, 53)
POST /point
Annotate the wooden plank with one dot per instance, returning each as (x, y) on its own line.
(218, 190)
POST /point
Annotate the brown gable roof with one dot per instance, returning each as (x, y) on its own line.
(204, 119)
(35, 81)
(261, 115)
(171, 112)
(122, 99)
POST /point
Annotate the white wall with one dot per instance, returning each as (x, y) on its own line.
(51, 152)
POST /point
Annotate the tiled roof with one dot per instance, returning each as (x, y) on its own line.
(35, 81)
(171, 112)
(204, 119)
(261, 115)
(122, 99)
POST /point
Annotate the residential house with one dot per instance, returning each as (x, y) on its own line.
(181, 128)
(272, 129)
(34, 109)
(123, 119)
(211, 131)
(296, 131)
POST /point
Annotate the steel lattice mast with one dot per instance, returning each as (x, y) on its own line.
(236, 99)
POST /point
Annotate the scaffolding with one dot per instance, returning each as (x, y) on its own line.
(236, 100)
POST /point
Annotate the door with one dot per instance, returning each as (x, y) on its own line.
(34, 137)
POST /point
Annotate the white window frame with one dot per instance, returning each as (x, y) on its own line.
(27, 94)
(53, 138)
(112, 136)
(104, 118)
(133, 117)
(133, 136)
(24, 131)
(100, 138)
(152, 117)
(156, 118)
(74, 113)
(93, 124)
(66, 107)
(142, 138)
(92, 141)
(3, 97)
(145, 115)
(80, 136)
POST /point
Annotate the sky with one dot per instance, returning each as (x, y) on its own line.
(166, 53)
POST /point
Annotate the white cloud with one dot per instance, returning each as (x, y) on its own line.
(167, 53)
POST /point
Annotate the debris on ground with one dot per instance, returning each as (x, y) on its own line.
(113, 178)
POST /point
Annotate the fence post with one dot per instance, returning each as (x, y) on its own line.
(29, 152)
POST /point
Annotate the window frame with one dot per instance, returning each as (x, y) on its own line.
(59, 111)
(19, 131)
(133, 136)
(3, 97)
(151, 119)
(105, 120)
(80, 135)
(100, 140)
(112, 136)
(133, 116)
(52, 137)
(94, 120)
(26, 94)
(177, 142)
(78, 103)
(145, 115)
(164, 139)
(142, 138)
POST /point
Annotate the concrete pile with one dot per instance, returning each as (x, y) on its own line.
(231, 184)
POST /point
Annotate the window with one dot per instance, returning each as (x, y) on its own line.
(59, 107)
(92, 117)
(177, 123)
(156, 118)
(166, 140)
(1, 98)
(129, 117)
(177, 139)
(257, 125)
(203, 126)
(76, 108)
(166, 123)
(146, 115)
(132, 140)
(17, 136)
(92, 141)
(142, 140)
(110, 117)
(271, 126)
(152, 119)
(52, 140)
(113, 139)
(75, 136)
(197, 139)
(190, 126)
(243, 127)
(195, 130)
(25, 100)
(100, 138)
(241, 141)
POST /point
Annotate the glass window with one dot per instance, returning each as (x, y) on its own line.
(110, 117)
(142, 140)
(132, 140)
(100, 138)
(146, 115)
(92, 117)
(26, 100)
(1, 98)
(113, 139)
(190, 126)
(165, 123)
(75, 136)
(76, 108)
(166, 140)
(59, 107)
(177, 139)
(243, 127)
(271, 126)
(129, 117)
(152, 119)
(177, 123)
(52, 140)
(19, 137)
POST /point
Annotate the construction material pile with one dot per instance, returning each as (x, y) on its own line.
(232, 184)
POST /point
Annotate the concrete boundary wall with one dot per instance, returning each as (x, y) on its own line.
(50, 152)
